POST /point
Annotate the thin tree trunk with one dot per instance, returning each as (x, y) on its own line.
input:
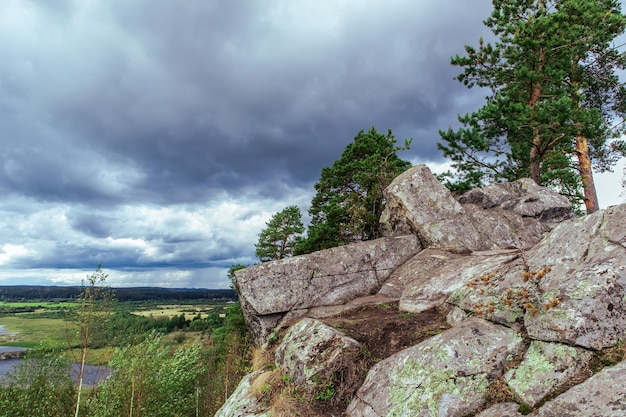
(83, 358)
(80, 389)
(582, 152)
(132, 395)
(584, 162)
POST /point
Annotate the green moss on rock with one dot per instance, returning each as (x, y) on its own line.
(417, 387)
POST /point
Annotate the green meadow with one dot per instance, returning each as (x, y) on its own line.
(28, 331)
(37, 304)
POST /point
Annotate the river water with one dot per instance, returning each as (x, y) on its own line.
(4, 331)
(93, 374)
(8, 364)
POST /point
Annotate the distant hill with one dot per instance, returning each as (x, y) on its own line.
(41, 292)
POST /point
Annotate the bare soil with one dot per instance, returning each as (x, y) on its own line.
(383, 330)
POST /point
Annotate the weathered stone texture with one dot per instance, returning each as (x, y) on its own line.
(587, 276)
(446, 375)
(504, 229)
(416, 270)
(311, 352)
(501, 410)
(241, 403)
(602, 395)
(500, 216)
(331, 277)
(588, 261)
(546, 368)
(456, 316)
(416, 198)
(465, 255)
(523, 197)
(434, 285)
(419, 204)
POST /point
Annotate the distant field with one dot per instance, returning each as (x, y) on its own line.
(172, 310)
(31, 331)
(36, 304)
(28, 323)
(44, 320)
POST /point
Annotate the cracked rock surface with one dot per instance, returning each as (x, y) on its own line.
(446, 375)
(602, 395)
(588, 273)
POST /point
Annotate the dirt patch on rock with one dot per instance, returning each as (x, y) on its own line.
(383, 330)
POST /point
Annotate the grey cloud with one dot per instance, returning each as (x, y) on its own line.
(208, 103)
(113, 108)
(93, 225)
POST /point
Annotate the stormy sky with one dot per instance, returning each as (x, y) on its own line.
(156, 137)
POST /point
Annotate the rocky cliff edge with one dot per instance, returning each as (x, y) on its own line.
(498, 303)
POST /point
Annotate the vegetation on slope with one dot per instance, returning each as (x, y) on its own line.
(184, 364)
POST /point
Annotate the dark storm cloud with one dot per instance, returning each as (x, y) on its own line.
(210, 95)
(93, 225)
(160, 134)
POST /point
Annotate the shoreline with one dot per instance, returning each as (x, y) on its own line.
(3, 331)
(9, 352)
(15, 354)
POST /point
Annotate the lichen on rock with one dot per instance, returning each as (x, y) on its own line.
(545, 369)
(441, 391)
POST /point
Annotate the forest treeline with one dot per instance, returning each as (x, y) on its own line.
(38, 292)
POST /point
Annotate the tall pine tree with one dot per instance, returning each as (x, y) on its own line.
(349, 198)
(555, 97)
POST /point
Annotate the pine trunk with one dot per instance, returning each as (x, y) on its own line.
(584, 163)
(582, 152)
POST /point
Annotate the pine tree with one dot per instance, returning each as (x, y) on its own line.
(278, 239)
(349, 198)
(554, 97)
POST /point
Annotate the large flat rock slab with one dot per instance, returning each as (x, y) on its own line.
(417, 269)
(546, 368)
(430, 283)
(587, 257)
(577, 291)
(326, 278)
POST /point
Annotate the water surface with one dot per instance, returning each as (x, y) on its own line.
(5, 349)
(7, 365)
(93, 374)
(4, 331)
